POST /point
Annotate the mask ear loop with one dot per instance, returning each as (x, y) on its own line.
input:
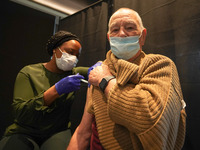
(141, 34)
(60, 49)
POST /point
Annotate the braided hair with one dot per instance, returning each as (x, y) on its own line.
(58, 39)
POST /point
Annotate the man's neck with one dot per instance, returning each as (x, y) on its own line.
(135, 56)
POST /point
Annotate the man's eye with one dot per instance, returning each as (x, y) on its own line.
(129, 28)
(115, 30)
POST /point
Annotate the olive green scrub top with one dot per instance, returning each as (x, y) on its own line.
(31, 116)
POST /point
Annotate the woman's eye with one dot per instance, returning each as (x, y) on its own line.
(71, 52)
(68, 51)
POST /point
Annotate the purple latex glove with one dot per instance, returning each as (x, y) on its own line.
(92, 67)
(69, 84)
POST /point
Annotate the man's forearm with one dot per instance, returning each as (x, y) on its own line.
(80, 140)
(81, 137)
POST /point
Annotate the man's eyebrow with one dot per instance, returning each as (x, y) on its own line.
(130, 22)
(113, 24)
(127, 22)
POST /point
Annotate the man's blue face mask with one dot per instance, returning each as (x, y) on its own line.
(125, 47)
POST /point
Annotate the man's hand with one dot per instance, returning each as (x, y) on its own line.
(92, 67)
(98, 73)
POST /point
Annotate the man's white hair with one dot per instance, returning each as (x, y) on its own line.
(136, 14)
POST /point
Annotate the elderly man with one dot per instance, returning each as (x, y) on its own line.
(135, 101)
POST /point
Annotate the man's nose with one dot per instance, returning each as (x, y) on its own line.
(122, 33)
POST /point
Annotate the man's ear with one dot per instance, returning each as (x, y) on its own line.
(143, 37)
(108, 37)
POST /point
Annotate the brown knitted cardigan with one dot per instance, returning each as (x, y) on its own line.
(144, 109)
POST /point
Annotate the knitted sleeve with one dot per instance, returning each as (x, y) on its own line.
(139, 102)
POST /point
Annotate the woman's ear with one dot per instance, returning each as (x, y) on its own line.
(54, 52)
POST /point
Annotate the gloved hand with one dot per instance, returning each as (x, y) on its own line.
(92, 67)
(69, 84)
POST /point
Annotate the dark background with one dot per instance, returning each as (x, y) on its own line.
(23, 36)
(172, 30)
